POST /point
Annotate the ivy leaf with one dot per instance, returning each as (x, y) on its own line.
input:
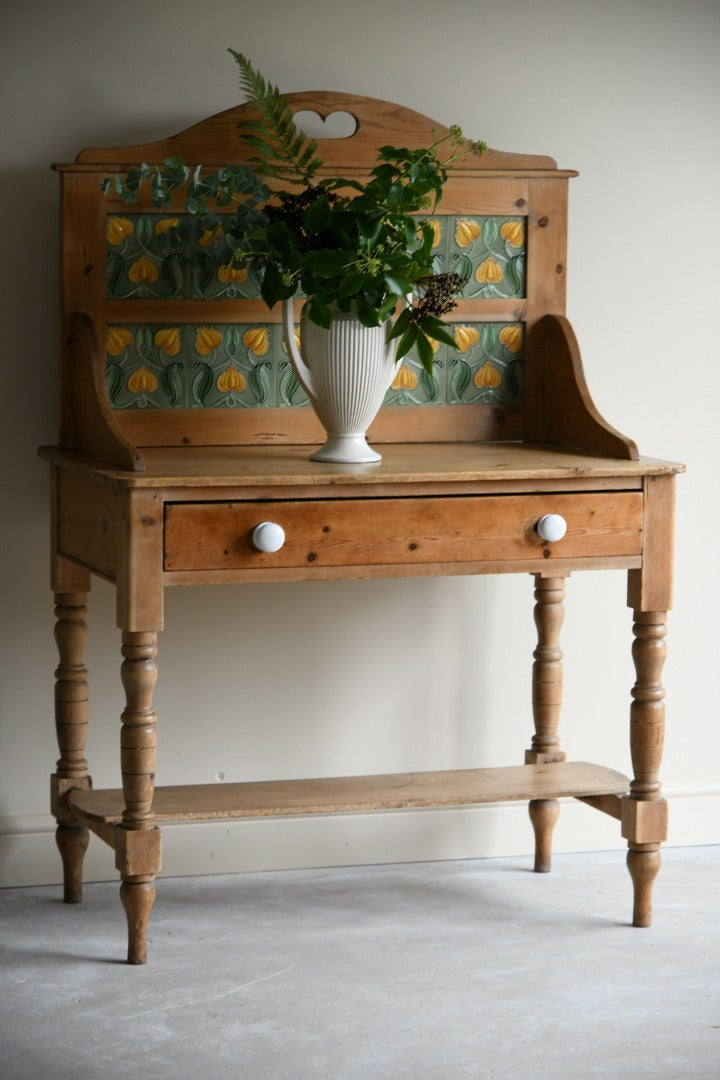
(398, 284)
(367, 313)
(350, 284)
(324, 263)
(320, 313)
(318, 215)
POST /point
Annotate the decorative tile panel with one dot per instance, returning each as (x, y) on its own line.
(148, 259)
(487, 367)
(146, 366)
(145, 258)
(241, 365)
(489, 253)
(246, 366)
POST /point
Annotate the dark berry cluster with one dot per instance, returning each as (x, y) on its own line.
(293, 206)
(439, 296)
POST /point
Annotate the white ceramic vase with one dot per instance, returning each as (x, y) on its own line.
(345, 372)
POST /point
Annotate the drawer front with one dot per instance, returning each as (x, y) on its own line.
(401, 531)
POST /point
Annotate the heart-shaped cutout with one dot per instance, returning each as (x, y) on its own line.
(338, 125)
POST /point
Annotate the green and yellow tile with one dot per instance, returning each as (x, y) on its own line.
(146, 367)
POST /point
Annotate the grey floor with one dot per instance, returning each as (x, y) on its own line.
(435, 971)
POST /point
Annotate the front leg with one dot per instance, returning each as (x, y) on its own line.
(71, 723)
(644, 811)
(138, 838)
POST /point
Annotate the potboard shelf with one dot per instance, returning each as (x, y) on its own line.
(347, 794)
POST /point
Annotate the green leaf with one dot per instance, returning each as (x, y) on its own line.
(425, 352)
(171, 379)
(407, 341)
(114, 380)
(202, 382)
(259, 382)
(437, 330)
(366, 313)
(173, 267)
(402, 324)
(514, 272)
(461, 379)
(397, 284)
(488, 338)
(318, 215)
(273, 288)
(295, 152)
(115, 268)
(324, 263)
(320, 313)
(463, 267)
(490, 232)
(430, 385)
(351, 284)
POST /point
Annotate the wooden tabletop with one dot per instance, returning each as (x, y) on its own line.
(402, 463)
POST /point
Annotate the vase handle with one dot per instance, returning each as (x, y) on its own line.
(301, 369)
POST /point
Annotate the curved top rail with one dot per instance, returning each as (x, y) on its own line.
(215, 141)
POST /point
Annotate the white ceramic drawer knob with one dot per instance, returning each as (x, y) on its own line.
(551, 527)
(268, 536)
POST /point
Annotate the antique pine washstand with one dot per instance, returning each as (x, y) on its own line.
(502, 465)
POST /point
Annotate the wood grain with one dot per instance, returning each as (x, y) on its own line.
(376, 531)
(395, 791)
(215, 140)
(290, 468)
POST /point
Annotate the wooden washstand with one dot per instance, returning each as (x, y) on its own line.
(153, 491)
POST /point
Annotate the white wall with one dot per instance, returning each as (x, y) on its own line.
(627, 91)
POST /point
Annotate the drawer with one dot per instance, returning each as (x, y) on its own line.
(401, 531)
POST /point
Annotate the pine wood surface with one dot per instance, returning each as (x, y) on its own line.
(272, 426)
(394, 791)
(155, 497)
(215, 141)
(415, 464)
(378, 531)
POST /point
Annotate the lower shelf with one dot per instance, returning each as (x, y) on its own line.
(396, 791)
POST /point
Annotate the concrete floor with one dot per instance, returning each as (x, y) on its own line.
(435, 971)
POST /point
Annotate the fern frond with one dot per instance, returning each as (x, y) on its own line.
(282, 151)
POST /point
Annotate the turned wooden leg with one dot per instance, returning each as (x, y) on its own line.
(72, 842)
(644, 811)
(546, 702)
(137, 898)
(138, 839)
(543, 815)
(71, 721)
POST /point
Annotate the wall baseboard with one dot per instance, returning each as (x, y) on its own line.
(28, 855)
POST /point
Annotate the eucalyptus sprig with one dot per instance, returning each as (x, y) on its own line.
(341, 243)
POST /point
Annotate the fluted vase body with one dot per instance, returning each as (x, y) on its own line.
(346, 372)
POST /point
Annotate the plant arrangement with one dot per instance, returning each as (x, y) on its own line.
(344, 245)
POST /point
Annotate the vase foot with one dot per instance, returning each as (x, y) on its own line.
(349, 449)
